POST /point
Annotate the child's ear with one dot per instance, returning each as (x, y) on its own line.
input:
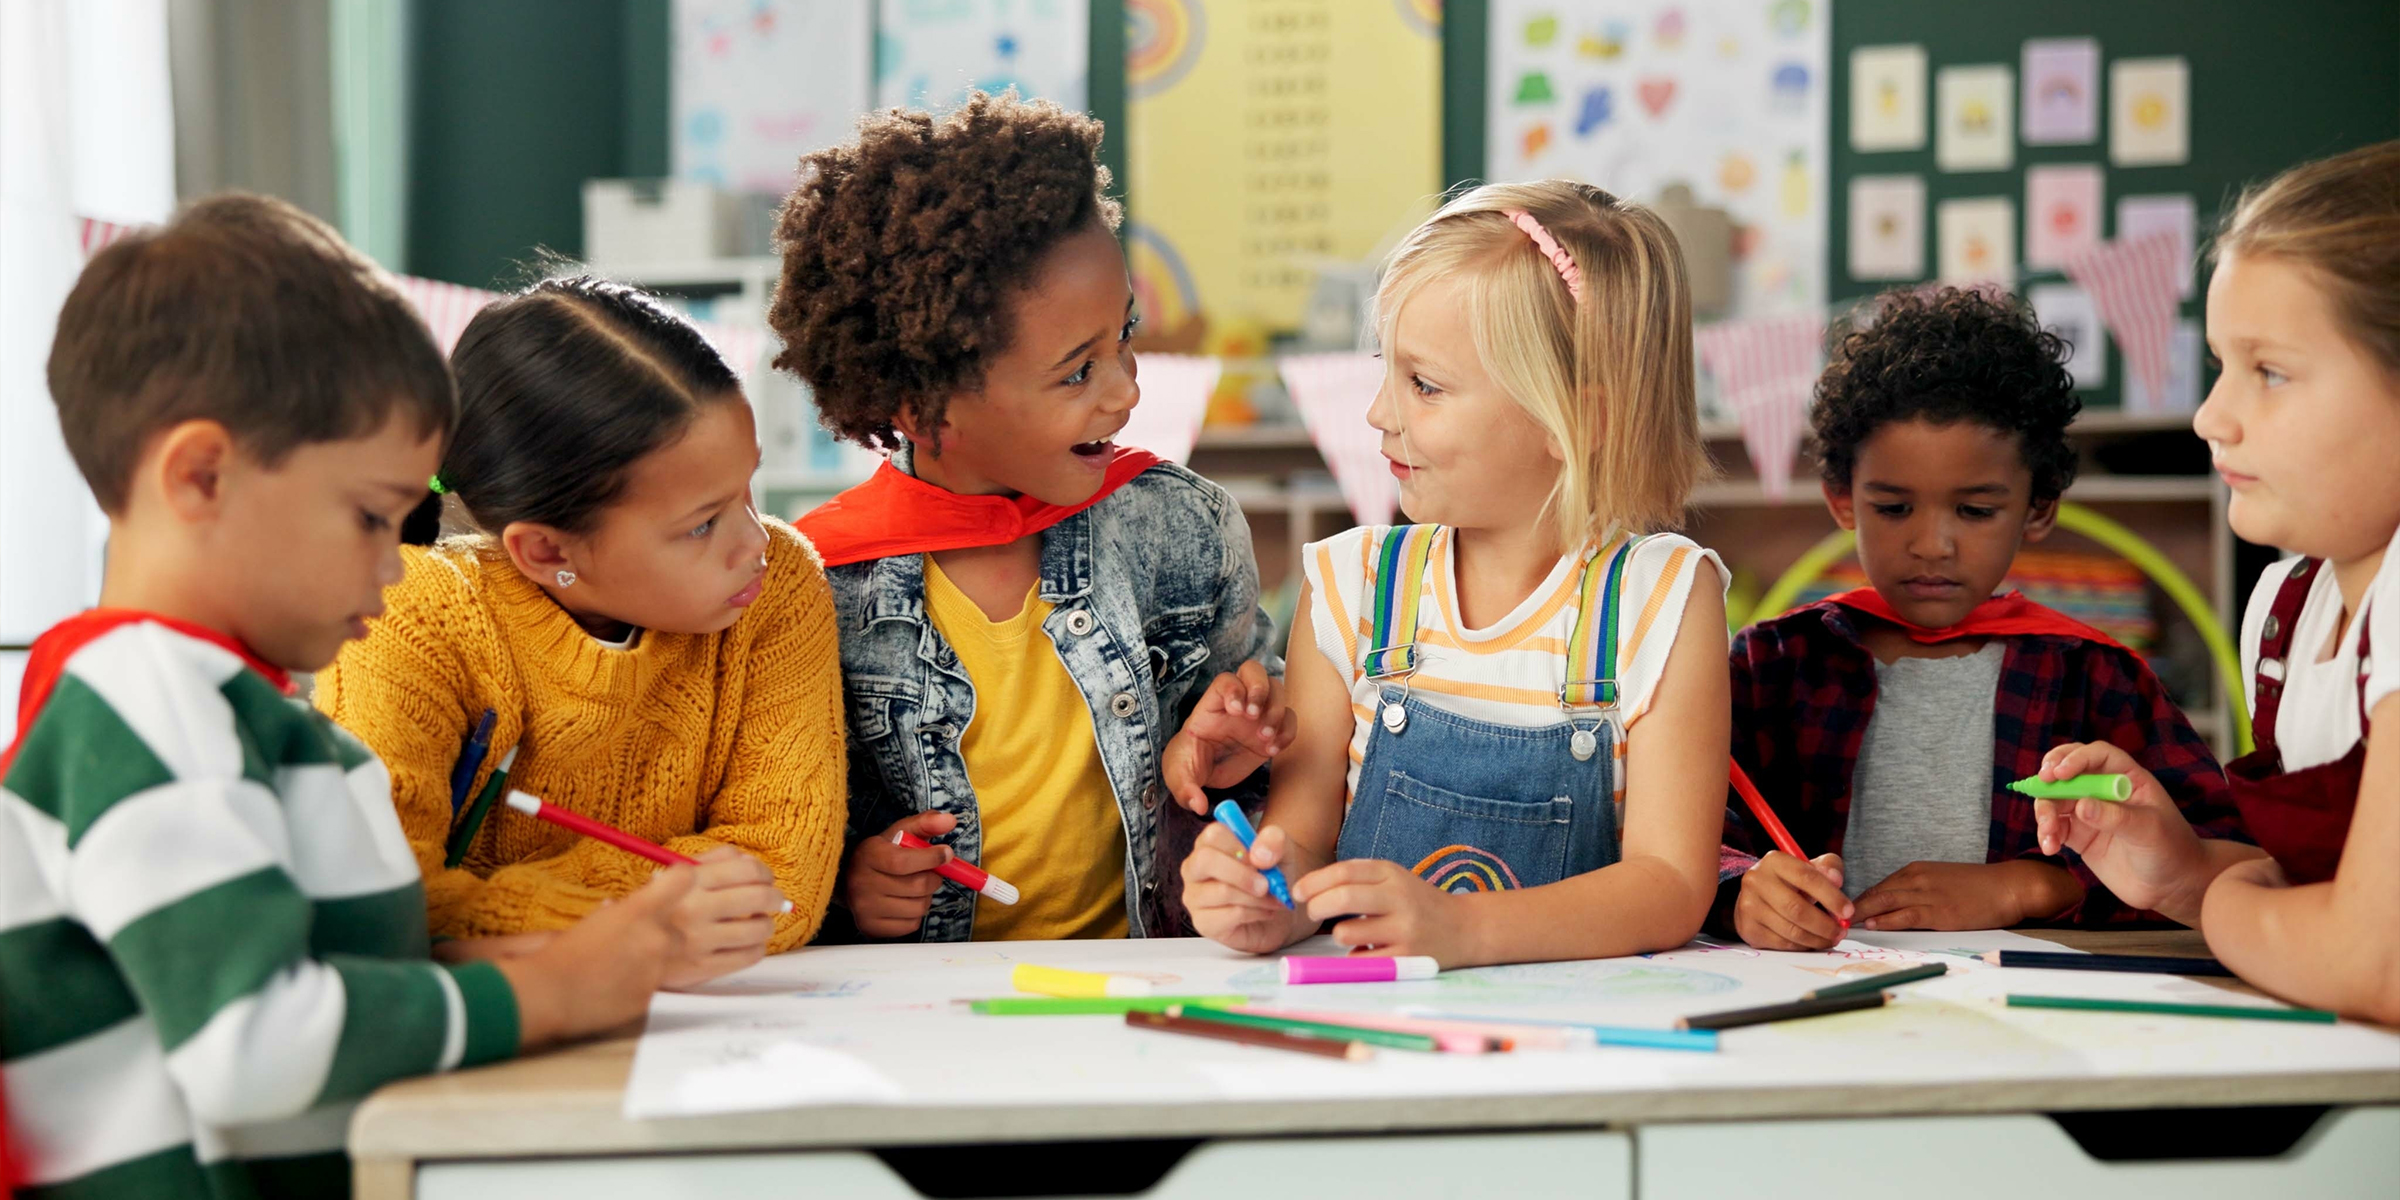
(539, 551)
(2041, 519)
(190, 468)
(918, 433)
(1840, 503)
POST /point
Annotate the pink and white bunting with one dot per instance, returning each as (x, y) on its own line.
(1333, 393)
(1766, 369)
(1175, 392)
(2136, 285)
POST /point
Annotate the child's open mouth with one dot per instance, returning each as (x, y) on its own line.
(1098, 452)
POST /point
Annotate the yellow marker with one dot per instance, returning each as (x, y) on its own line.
(1054, 981)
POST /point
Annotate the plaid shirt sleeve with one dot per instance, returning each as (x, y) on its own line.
(1753, 751)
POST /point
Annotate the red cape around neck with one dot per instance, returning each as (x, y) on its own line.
(2011, 615)
(895, 513)
(48, 660)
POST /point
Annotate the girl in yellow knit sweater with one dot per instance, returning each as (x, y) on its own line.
(659, 657)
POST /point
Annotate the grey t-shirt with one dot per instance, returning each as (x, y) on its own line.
(1922, 791)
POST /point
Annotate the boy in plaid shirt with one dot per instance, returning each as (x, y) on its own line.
(1884, 724)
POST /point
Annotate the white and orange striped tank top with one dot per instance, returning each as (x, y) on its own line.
(1509, 673)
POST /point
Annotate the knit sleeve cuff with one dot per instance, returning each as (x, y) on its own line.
(490, 1007)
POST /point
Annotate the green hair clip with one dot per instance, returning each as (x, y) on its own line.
(439, 488)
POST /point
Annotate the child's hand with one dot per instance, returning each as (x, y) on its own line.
(887, 886)
(2142, 848)
(1239, 723)
(599, 974)
(1787, 904)
(1945, 895)
(1392, 911)
(725, 919)
(1227, 895)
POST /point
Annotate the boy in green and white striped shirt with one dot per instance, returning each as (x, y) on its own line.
(212, 931)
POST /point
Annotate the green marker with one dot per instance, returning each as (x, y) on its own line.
(2115, 789)
(1389, 1039)
(1085, 1006)
(2235, 1011)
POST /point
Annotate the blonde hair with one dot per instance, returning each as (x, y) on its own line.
(2339, 216)
(1608, 378)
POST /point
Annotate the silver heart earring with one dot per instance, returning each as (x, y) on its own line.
(566, 579)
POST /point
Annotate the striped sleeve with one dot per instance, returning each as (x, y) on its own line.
(180, 863)
(1658, 584)
(1336, 569)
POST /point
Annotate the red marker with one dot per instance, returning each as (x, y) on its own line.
(1766, 817)
(532, 806)
(966, 875)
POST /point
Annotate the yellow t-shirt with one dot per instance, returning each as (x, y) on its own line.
(1050, 819)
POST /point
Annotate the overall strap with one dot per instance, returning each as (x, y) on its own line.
(1400, 563)
(1592, 648)
(2275, 646)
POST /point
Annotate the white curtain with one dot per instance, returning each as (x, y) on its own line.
(86, 130)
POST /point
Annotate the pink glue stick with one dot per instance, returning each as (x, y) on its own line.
(1356, 969)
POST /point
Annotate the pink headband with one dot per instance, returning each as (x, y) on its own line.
(1557, 254)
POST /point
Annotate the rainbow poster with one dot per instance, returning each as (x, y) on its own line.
(1270, 138)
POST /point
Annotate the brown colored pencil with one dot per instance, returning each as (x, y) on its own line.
(1271, 1039)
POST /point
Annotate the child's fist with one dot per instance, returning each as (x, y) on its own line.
(1787, 904)
(1227, 895)
(888, 886)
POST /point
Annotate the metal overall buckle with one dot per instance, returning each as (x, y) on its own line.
(1394, 712)
(1586, 742)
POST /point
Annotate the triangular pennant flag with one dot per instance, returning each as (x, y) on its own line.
(2136, 285)
(1333, 393)
(1175, 392)
(1766, 369)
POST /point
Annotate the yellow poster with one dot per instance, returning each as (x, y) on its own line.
(1268, 139)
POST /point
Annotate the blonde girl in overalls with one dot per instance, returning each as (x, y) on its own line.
(1513, 715)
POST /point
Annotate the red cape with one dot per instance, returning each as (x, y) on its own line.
(895, 513)
(48, 661)
(2011, 615)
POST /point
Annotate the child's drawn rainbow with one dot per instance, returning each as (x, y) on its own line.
(1163, 39)
(1466, 869)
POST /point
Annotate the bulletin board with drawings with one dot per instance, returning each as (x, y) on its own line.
(2036, 124)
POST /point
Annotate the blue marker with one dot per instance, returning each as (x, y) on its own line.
(1230, 816)
(1607, 1035)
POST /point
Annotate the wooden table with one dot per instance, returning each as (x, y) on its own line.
(567, 1104)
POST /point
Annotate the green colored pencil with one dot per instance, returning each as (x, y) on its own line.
(464, 835)
(1876, 983)
(1084, 1006)
(1387, 1038)
(2239, 1011)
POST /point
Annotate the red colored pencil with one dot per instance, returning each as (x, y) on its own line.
(1766, 816)
(533, 806)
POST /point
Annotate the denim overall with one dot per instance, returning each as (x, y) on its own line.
(1472, 806)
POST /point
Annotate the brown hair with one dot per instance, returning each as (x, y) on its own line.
(1609, 378)
(2340, 217)
(901, 250)
(245, 311)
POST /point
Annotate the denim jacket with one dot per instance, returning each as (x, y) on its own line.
(1155, 593)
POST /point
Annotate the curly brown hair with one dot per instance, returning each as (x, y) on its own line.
(900, 251)
(1960, 354)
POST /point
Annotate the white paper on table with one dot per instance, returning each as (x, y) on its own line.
(1978, 240)
(2150, 112)
(850, 1025)
(1975, 118)
(2062, 212)
(2068, 311)
(2182, 393)
(2177, 214)
(2062, 91)
(1887, 98)
(1887, 227)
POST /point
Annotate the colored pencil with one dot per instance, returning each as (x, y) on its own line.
(1319, 1029)
(2238, 1011)
(1876, 983)
(1450, 1037)
(1605, 1035)
(464, 836)
(1085, 1006)
(1796, 1010)
(1268, 1039)
(1766, 816)
(470, 760)
(600, 831)
(2146, 964)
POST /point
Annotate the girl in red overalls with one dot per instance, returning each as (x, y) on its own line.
(2304, 424)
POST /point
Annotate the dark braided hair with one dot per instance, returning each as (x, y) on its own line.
(901, 249)
(1948, 356)
(562, 388)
